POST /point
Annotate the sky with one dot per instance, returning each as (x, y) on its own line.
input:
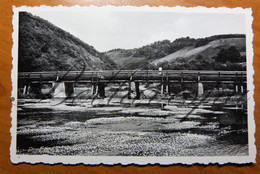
(106, 30)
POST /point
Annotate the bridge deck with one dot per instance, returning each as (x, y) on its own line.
(138, 75)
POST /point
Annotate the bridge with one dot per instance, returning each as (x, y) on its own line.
(63, 81)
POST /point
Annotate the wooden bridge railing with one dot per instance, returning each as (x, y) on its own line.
(98, 78)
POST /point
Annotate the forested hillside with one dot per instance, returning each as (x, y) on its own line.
(221, 52)
(45, 47)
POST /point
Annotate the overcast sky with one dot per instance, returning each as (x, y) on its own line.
(108, 30)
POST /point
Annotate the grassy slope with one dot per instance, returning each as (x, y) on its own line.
(209, 50)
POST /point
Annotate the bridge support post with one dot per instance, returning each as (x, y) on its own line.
(236, 88)
(93, 89)
(241, 83)
(167, 89)
(167, 86)
(236, 84)
(162, 81)
(129, 88)
(27, 87)
(162, 90)
(94, 86)
(200, 87)
(137, 91)
(181, 81)
(24, 89)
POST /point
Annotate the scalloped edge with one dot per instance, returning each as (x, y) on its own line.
(113, 160)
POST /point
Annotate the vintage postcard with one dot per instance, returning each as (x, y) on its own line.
(132, 85)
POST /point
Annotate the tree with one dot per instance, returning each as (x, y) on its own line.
(221, 57)
(231, 54)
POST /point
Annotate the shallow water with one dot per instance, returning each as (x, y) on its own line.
(138, 130)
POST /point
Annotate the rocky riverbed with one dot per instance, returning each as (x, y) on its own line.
(132, 128)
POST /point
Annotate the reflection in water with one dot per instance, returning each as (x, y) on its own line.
(129, 130)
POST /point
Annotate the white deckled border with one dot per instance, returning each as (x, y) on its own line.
(110, 160)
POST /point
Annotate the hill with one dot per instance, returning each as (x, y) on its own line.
(45, 47)
(220, 52)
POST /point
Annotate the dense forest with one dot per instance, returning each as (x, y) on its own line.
(45, 47)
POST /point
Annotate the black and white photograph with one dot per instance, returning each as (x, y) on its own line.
(135, 85)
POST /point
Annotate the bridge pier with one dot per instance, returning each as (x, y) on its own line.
(167, 90)
(62, 89)
(181, 82)
(101, 90)
(137, 90)
(59, 90)
(129, 88)
(94, 89)
(69, 88)
(95, 86)
(133, 86)
(165, 86)
(200, 89)
(162, 91)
